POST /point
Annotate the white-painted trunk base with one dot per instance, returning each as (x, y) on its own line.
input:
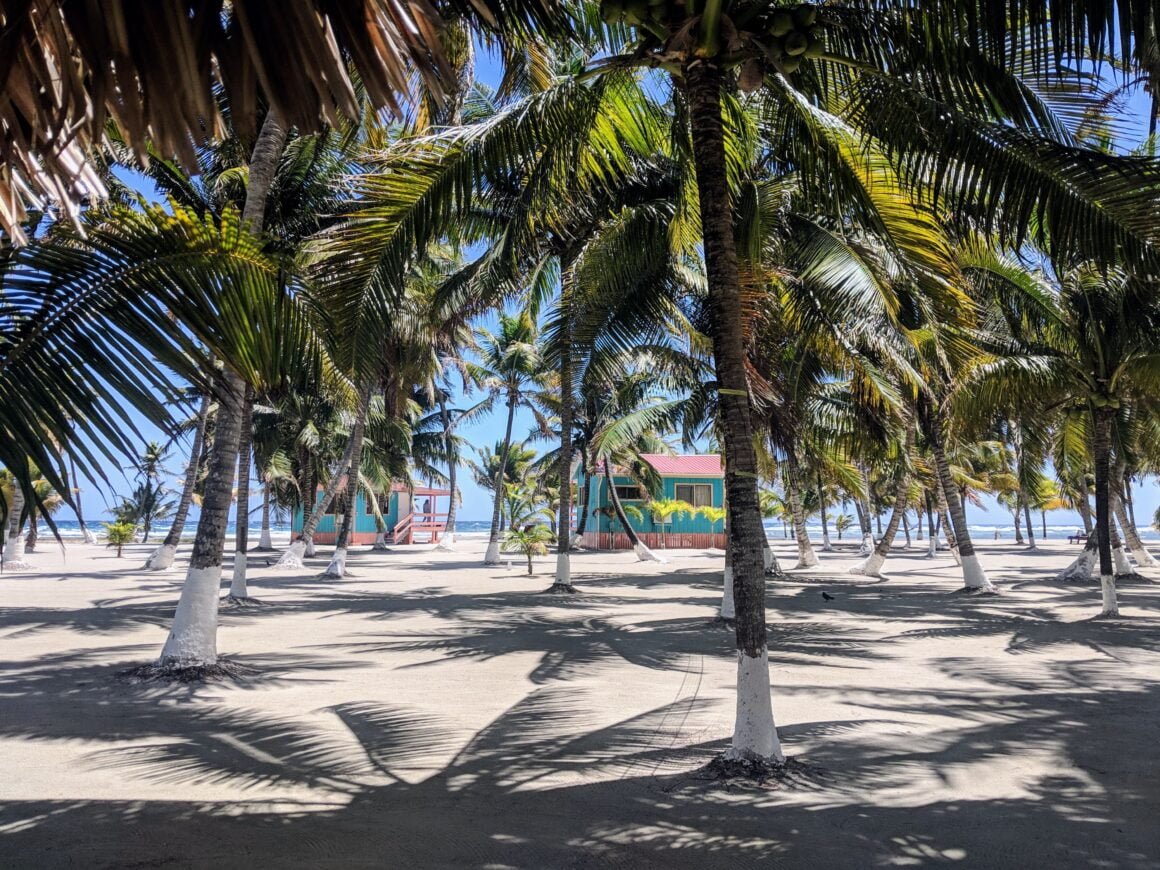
(446, 543)
(644, 554)
(238, 579)
(754, 732)
(1143, 558)
(728, 609)
(577, 542)
(193, 638)
(337, 566)
(14, 554)
(563, 570)
(1108, 594)
(380, 543)
(867, 545)
(770, 560)
(826, 545)
(1120, 559)
(1080, 569)
(807, 558)
(491, 557)
(872, 567)
(309, 551)
(931, 548)
(291, 557)
(974, 577)
(266, 540)
(162, 558)
(88, 536)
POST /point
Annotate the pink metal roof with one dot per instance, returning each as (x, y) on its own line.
(706, 464)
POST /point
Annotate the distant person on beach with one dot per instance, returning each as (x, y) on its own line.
(996, 534)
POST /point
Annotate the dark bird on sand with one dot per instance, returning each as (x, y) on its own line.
(827, 596)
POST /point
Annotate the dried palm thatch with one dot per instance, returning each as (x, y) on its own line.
(154, 67)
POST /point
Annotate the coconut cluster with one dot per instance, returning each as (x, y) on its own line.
(637, 13)
(786, 35)
(792, 35)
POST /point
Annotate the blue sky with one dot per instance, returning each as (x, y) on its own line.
(476, 503)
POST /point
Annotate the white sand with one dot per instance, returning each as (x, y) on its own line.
(426, 711)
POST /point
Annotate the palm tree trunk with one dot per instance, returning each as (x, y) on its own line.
(14, 546)
(643, 553)
(492, 555)
(1128, 500)
(1085, 513)
(974, 577)
(807, 558)
(563, 580)
(1018, 524)
(872, 567)
(265, 541)
(1030, 525)
(302, 544)
(582, 485)
(447, 541)
(1080, 569)
(826, 545)
(1131, 536)
(337, 566)
(86, 534)
(931, 527)
(161, 559)
(906, 530)
(754, 733)
(1101, 451)
(192, 640)
(238, 591)
(918, 515)
(33, 530)
(863, 506)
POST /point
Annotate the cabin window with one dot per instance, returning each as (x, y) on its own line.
(369, 507)
(696, 494)
(628, 493)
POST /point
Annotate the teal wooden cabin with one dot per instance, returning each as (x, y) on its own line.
(696, 479)
(410, 515)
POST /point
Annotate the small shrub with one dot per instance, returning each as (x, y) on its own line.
(119, 534)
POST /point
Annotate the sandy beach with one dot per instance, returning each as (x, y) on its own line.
(429, 711)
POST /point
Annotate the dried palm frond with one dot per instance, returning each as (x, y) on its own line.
(155, 67)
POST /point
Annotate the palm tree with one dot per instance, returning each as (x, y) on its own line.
(509, 364)
(697, 44)
(161, 559)
(841, 523)
(1086, 340)
(15, 511)
(531, 540)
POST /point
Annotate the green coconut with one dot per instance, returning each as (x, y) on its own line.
(796, 43)
(789, 65)
(780, 24)
(612, 11)
(805, 15)
(815, 48)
